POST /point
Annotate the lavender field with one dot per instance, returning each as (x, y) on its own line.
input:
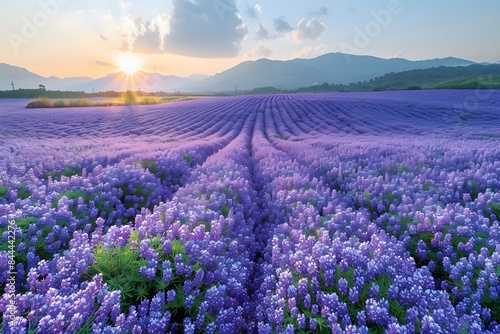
(321, 213)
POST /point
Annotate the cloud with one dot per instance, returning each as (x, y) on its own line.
(260, 51)
(310, 51)
(205, 28)
(103, 63)
(194, 28)
(253, 11)
(304, 30)
(281, 26)
(308, 30)
(148, 39)
(323, 11)
(102, 37)
(261, 32)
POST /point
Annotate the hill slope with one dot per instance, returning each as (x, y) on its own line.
(25, 79)
(335, 68)
(464, 77)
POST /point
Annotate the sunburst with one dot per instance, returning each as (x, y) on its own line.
(129, 64)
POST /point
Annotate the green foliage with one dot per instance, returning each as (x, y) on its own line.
(35, 93)
(79, 103)
(225, 210)
(40, 247)
(389, 198)
(474, 189)
(495, 208)
(87, 328)
(205, 224)
(23, 225)
(474, 76)
(188, 159)
(53, 175)
(71, 195)
(263, 90)
(149, 165)
(129, 98)
(138, 192)
(42, 102)
(151, 100)
(366, 196)
(59, 104)
(395, 308)
(48, 103)
(120, 269)
(3, 192)
(22, 193)
(68, 172)
(440, 274)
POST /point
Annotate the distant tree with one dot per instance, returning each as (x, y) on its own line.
(41, 87)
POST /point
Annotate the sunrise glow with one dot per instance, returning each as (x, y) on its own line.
(129, 64)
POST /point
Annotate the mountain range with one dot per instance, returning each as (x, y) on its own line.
(333, 68)
(118, 81)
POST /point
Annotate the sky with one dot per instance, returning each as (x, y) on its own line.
(70, 38)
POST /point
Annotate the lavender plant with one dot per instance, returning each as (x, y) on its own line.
(325, 213)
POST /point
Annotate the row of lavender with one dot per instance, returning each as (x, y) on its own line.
(264, 214)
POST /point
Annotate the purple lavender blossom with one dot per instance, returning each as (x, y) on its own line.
(264, 213)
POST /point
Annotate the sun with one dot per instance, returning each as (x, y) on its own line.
(129, 64)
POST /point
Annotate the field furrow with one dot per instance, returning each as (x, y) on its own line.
(359, 212)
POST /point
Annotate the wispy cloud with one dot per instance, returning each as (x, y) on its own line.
(308, 30)
(323, 11)
(304, 30)
(253, 11)
(281, 26)
(260, 51)
(262, 33)
(103, 63)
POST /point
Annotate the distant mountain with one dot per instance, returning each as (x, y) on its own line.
(465, 77)
(119, 81)
(147, 82)
(333, 68)
(25, 79)
(263, 72)
(337, 68)
(476, 76)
